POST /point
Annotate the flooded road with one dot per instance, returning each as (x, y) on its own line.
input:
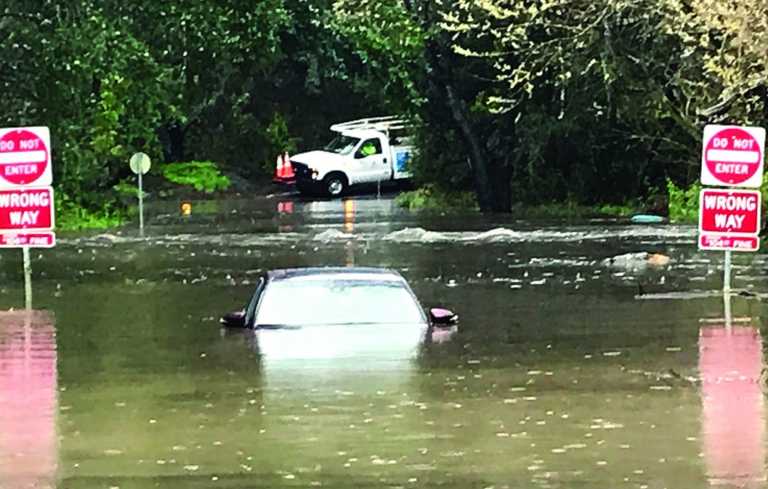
(568, 370)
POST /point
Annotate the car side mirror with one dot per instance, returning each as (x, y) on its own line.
(442, 317)
(235, 319)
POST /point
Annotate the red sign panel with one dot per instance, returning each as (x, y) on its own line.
(724, 242)
(733, 156)
(26, 209)
(729, 219)
(25, 157)
(40, 239)
(729, 211)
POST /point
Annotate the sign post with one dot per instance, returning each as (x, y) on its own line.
(729, 220)
(26, 196)
(27, 278)
(140, 164)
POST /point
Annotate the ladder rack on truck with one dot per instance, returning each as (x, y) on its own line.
(381, 124)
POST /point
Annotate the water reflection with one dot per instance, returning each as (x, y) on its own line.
(28, 441)
(285, 207)
(295, 355)
(349, 216)
(730, 365)
(335, 343)
(349, 227)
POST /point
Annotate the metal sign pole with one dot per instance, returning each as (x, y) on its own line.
(727, 273)
(27, 278)
(141, 207)
(140, 164)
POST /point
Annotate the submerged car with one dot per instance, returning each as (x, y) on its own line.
(338, 308)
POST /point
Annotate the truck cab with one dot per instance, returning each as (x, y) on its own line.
(363, 152)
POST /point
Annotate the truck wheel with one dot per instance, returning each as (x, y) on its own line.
(335, 184)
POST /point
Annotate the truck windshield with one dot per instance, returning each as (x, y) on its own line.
(342, 144)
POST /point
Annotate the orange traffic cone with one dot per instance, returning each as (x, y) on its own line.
(287, 167)
(279, 168)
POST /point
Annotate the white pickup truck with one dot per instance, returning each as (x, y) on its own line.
(365, 151)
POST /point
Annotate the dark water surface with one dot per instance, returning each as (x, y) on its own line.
(566, 371)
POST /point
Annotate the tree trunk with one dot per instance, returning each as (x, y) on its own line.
(501, 182)
(438, 76)
(763, 91)
(483, 187)
(173, 142)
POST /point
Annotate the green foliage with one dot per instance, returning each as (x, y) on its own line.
(683, 202)
(71, 216)
(79, 69)
(616, 210)
(203, 176)
(586, 101)
(126, 189)
(432, 198)
(178, 80)
(573, 210)
(278, 140)
(389, 43)
(764, 188)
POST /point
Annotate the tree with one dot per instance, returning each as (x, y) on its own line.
(726, 57)
(79, 71)
(402, 43)
(589, 88)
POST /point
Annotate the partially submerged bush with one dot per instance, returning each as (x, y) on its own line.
(73, 216)
(683, 203)
(203, 176)
(432, 198)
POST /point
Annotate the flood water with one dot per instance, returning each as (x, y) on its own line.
(566, 372)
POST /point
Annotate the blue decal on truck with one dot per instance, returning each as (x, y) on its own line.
(401, 161)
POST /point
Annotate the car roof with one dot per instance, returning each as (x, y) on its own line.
(340, 273)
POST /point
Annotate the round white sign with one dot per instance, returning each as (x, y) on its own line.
(140, 163)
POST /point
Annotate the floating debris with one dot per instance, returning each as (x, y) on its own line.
(637, 261)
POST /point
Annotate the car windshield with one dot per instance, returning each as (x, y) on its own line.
(311, 301)
(342, 144)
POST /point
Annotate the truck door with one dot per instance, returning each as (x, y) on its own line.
(373, 161)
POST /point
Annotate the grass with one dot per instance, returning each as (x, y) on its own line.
(572, 210)
(71, 218)
(430, 198)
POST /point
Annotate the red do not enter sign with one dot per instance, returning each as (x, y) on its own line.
(733, 156)
(25, 157)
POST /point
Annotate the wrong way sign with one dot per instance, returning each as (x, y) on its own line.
(729, 219)
(25, 157)
(729, 211)
(26, 209)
